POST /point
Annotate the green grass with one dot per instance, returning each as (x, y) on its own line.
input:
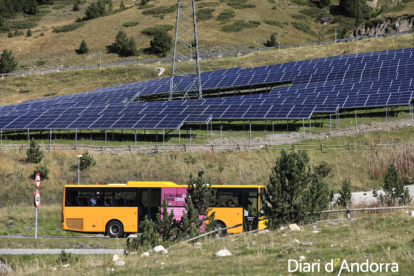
(226, 15)
(353, 241)
(204, 14)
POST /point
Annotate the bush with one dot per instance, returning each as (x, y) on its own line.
(345, 194)
(190, 159)
(66, 258)
(95, 10)
(394, 189)
(22, 24)
(294, 192)
(311, 11)
(144, 2)
(144, 7)
(29, 32)
(323, 169)
(226, 15)
(273, 23)
(34, 154)
(122, 6)
(159, 11)
(239, 25)
(298, 16)
(204, 14)
(304, 3)
(374, 22)
(162, 43)
(83, 48)
(303, 27)
(42, 170)
(272, 42)
(130, 24)
(7, 62)
(18, 33)
(125, 46)
(87, 161)
(10, 35)
(75, 7)
(68, 28)
(238, 4)
(157, 28)
(207, 4)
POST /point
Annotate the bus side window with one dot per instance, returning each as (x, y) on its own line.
(78, 203)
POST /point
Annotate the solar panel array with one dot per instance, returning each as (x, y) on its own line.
(374, 79)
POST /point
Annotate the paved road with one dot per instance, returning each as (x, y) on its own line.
(58, 251)
(53, 237)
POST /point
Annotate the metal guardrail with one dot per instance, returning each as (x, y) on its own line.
(203, 56)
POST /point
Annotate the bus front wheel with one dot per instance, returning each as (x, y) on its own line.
(115, 229)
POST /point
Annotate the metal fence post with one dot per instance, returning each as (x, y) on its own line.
(221, 135)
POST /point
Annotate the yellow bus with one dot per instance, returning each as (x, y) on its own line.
(118, 209)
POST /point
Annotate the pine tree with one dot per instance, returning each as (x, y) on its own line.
(202, 196)
(30, 7)
(345, 194)
(110, 6)
(272, 42)
(324, 3)
(147, 239)
(10, 34)
(92, 12)
(83, 48)
(122, 6)
(393, 185)
(166, 225)
(75, 6)
(162, 43)
(87, 161)
(189, 223)
(34, 154)
(7, 62)
(125, 46)
(144, 2)
(293, 190)
(101, 8)
(42, 170)
(29, 32)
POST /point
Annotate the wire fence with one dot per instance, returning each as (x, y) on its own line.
(216, 55)
(159, 149)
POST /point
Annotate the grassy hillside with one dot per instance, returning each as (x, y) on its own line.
(379, 238)
(15, 90)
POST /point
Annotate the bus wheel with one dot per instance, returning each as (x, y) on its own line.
(221, 225)
(115, 229)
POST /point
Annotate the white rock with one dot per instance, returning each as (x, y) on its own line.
(53, 268)
(158, 248)
(119, 263)
(133, 253)
(302, 258)
(315, 232)
(222, 253)
(252, 243)
(145, 254)
(164, 251)
(282, 228)
(307, 243)
(293, 227)
(388, 248)
(296, 241)
(263, 232)
(65, 266)
(115, 258)
(197, 244)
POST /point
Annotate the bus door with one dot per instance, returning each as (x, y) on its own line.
(250, 211)
(149, 202)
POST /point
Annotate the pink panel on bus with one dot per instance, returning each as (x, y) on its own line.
(175, 196)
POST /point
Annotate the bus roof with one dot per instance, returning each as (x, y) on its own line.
(160, 184)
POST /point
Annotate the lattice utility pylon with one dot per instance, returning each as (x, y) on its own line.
(185, 75)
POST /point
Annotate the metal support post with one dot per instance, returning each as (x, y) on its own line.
(279, 40)
(113, 135)
(106, 137)
(207, 130)
(243, 125)
(76, 139)
(190, 136)
(36, 225)
(163, 138)
(50, 142)
(287, 125)
(335, 35)
(179, 135)
(273, 130)
(310, 124)
(28, 136)
(412, 111)
(156, 135)
(211, 129)
(1, 139)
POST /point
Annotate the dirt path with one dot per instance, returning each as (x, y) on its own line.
(296, 137)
